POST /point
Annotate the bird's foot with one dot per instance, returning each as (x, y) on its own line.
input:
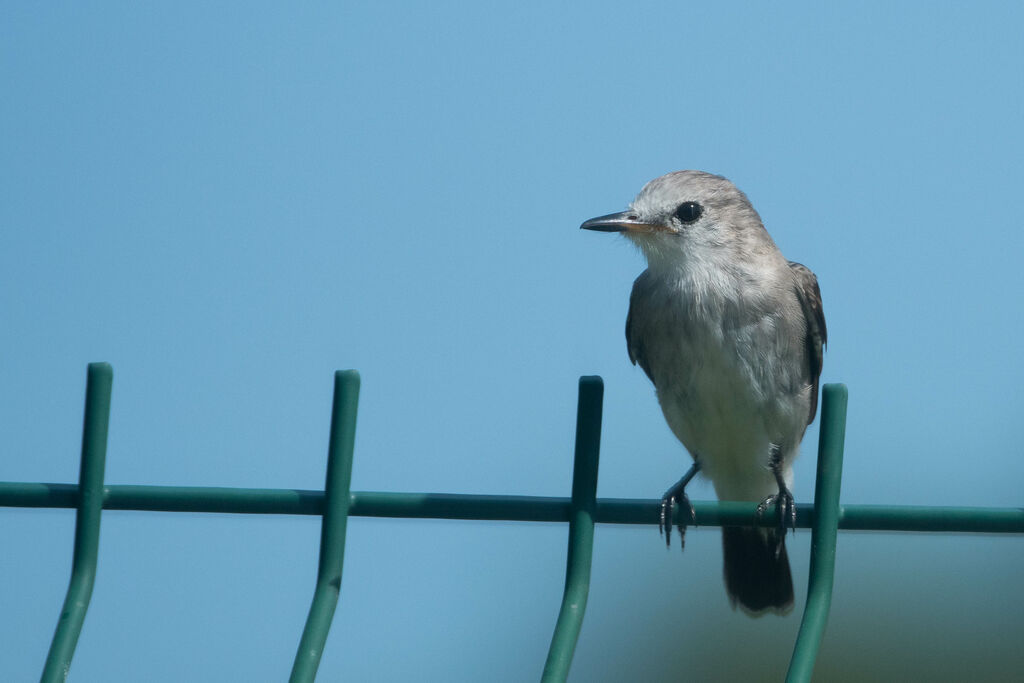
(783, 501)
(785, 507)
(675, 495)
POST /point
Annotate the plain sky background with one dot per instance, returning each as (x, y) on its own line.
(228, 202)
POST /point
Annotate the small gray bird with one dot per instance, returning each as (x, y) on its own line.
(731, 334)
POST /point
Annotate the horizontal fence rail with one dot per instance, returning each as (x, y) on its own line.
(336, 503)
(412, 505)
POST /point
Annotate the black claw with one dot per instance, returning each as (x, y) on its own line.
(668, 516)
(785, 508)
(677, 494)
(665, 521)
(685, 506)
(785, 505)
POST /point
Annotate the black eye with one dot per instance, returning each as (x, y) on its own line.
(688, 212)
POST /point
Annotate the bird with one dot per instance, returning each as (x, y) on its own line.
(732, 336)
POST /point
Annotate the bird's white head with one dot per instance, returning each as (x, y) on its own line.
(686, 215)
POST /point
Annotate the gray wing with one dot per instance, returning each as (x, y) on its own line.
(817, 336)
(634, 344)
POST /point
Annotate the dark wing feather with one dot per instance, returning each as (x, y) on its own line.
(634, 345)
(817, 336)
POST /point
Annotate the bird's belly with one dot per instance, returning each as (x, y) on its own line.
(728, 416)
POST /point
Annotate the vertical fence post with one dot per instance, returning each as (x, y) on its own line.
(823, 533)
(99, 381)
(332, 529)
(581, 531)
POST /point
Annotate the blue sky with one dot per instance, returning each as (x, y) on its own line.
(228, 203)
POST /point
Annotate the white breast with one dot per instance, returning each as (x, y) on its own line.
(728, 374)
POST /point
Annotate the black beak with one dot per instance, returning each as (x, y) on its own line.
(625, 221)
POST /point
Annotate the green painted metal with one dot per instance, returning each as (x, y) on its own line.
(99, 381)
(823, 533)
(336, 503)
(416, 505)
(462, 506)
(940, 519)
(332, 530)
(581, 531)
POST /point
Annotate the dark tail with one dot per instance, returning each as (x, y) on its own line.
(757, 570)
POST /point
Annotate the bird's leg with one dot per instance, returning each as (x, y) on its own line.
(783, 500)
(677, 493)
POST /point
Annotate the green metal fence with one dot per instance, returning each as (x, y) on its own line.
(582, 510)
